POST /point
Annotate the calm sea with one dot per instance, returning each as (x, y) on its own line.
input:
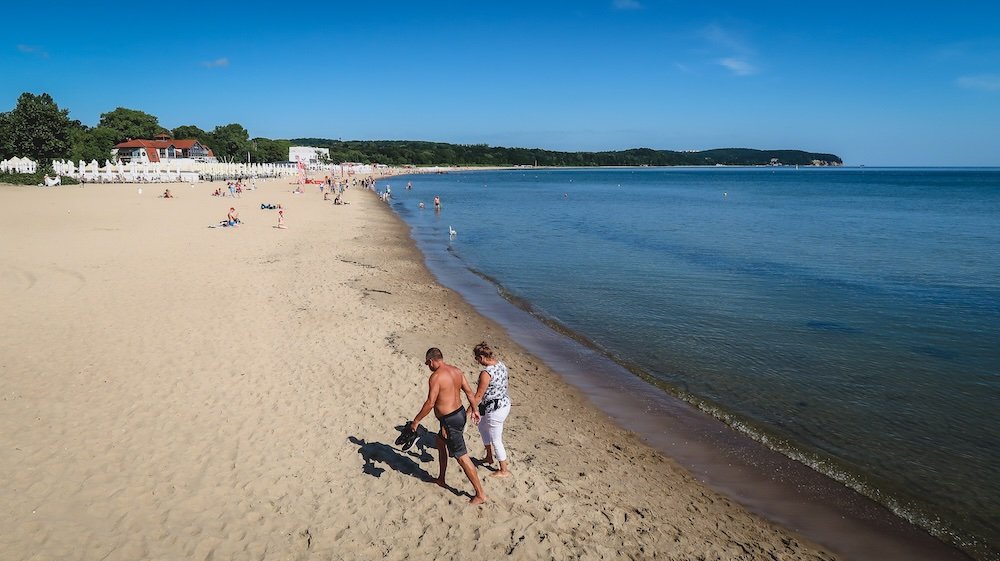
(849, 318)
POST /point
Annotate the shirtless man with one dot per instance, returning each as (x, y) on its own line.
(443, 397)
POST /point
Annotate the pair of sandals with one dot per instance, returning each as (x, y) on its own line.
(407, 436)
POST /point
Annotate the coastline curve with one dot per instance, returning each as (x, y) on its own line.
(765, 481)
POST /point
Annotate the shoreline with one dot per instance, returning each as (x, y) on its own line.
(178, 391)
(728, 460)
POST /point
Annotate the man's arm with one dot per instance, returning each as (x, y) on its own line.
(432, 394)
(467, 389)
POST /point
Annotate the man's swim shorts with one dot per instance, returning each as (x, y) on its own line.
(452, 427)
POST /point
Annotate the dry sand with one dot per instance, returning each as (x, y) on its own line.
(172, 391)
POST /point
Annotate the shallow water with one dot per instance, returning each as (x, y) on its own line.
(846, 317)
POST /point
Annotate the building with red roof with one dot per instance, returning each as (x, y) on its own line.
(163, 149)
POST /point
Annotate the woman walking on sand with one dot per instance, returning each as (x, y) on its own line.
(494, 406)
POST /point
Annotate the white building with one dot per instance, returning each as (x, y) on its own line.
(308, 155)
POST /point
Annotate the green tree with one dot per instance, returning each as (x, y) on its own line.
(265, 150)
(6, 150)
(35, 128)
(230, 142)
(130, 123)
(92, 143)
(190, 132)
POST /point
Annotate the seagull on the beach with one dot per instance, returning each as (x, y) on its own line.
(451, 232)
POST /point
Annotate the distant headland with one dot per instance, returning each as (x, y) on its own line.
(403, 152)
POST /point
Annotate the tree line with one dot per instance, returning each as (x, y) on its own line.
(39, 129)
(403, 152)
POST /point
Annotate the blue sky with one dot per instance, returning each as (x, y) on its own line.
(878, 83)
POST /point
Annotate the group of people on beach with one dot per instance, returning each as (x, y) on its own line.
(488, 407)
(233, 217)
(234, 188)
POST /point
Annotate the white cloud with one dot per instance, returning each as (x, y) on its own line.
(738, 66)
(725, 42)
(217, 63)
(626, 5)
(978, 51)
(987, 82)
(29, 50)
(720, 37)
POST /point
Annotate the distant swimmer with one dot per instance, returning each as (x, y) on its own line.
(421, 205)
(725, 194)
(437, 202)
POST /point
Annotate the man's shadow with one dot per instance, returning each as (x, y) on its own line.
(403, 462)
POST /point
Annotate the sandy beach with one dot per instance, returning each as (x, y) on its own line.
(174, 391)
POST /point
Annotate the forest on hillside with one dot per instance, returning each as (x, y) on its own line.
(403, 152)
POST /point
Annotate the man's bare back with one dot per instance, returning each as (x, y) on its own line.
(448, 381)
(444, 385)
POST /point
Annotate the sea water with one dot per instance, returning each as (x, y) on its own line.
(849, 318)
